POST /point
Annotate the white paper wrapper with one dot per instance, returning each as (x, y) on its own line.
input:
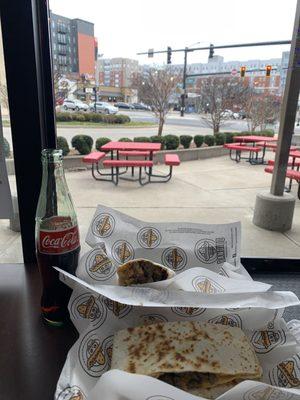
(177, 246)
(119, 385)
(97, 318)
(216, 292)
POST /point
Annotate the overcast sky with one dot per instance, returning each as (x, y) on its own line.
(125, 27)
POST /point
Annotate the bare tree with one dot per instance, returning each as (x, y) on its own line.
(155, 89)
(219, 94)
(261, 109)
(62, 87)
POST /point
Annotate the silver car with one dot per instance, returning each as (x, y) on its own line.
(103, 108)
(75, 105)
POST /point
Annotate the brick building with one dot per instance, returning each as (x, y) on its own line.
(74, 46)
(116, 72)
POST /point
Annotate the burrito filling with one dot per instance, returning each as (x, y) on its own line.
(141, 271)
(195, 380)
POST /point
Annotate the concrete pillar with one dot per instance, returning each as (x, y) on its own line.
(274, 213)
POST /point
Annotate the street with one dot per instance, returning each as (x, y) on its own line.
(174, 118)
(190, 124)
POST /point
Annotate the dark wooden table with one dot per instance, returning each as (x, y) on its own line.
(32, 355)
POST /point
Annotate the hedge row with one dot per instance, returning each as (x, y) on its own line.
(92, 117)
(84, 144)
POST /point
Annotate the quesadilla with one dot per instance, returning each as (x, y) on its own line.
(141, 271)
(193, 356)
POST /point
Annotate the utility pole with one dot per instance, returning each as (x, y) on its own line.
(183, 95)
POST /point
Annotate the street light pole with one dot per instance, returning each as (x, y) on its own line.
(182, 108)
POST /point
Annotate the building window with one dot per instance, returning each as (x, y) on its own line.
(53, 24)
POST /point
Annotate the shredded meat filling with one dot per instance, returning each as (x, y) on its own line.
(189, 380)
(141, 271)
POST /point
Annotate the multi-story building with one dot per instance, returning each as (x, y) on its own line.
(74, 47)
(116, 72)
(255, 72)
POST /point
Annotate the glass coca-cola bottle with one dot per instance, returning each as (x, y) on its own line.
(57, 237)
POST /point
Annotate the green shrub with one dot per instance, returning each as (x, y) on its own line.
(185, 140)
(78, 117)
(82, 143)
(219, 139)
(158, 139)
(92, 117)
(120, 119)
(64, 116)
(198, 140)
(62, 144)
(101, 142)
(6, 148)
(171, 142)
(209, 140)
(229, 137)
(267, 132)
(125, 139)
(95, 117)
(142, 139)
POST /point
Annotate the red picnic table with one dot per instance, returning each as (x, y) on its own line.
(261, 141)
(292, 174)
(128, 150)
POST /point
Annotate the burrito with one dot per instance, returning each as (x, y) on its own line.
(200, 358)
(141, 271)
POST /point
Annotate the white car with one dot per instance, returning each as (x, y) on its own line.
(103, 107)
(80, 105)
(75, 105)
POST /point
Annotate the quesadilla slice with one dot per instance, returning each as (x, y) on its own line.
(141, 271)
(193, 356)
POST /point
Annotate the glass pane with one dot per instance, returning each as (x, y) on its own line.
(226, 93)
(10, 240)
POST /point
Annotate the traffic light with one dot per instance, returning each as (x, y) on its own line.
(169, 55)
(150, 53)
(211, 51)
(268, 70)
(242, 72)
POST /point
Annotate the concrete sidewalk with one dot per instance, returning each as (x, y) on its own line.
(215, 190)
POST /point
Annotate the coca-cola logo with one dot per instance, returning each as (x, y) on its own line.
(59, 241)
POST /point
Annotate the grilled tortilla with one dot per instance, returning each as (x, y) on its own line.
(141, 271)
(196, 357)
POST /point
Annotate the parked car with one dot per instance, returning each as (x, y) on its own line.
(103, 108)
(125, 106)
(69, 104)
(140, 106)
(242, 115)
(80, 106)
(76, 105)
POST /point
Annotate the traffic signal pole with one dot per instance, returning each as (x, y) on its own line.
(211, 49)
(183, 95)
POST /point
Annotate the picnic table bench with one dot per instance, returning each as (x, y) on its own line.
(261, 142)
(128, 150)
(291, 174)
(239, 148)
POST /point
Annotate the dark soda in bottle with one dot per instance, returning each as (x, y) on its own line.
(57, 238)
